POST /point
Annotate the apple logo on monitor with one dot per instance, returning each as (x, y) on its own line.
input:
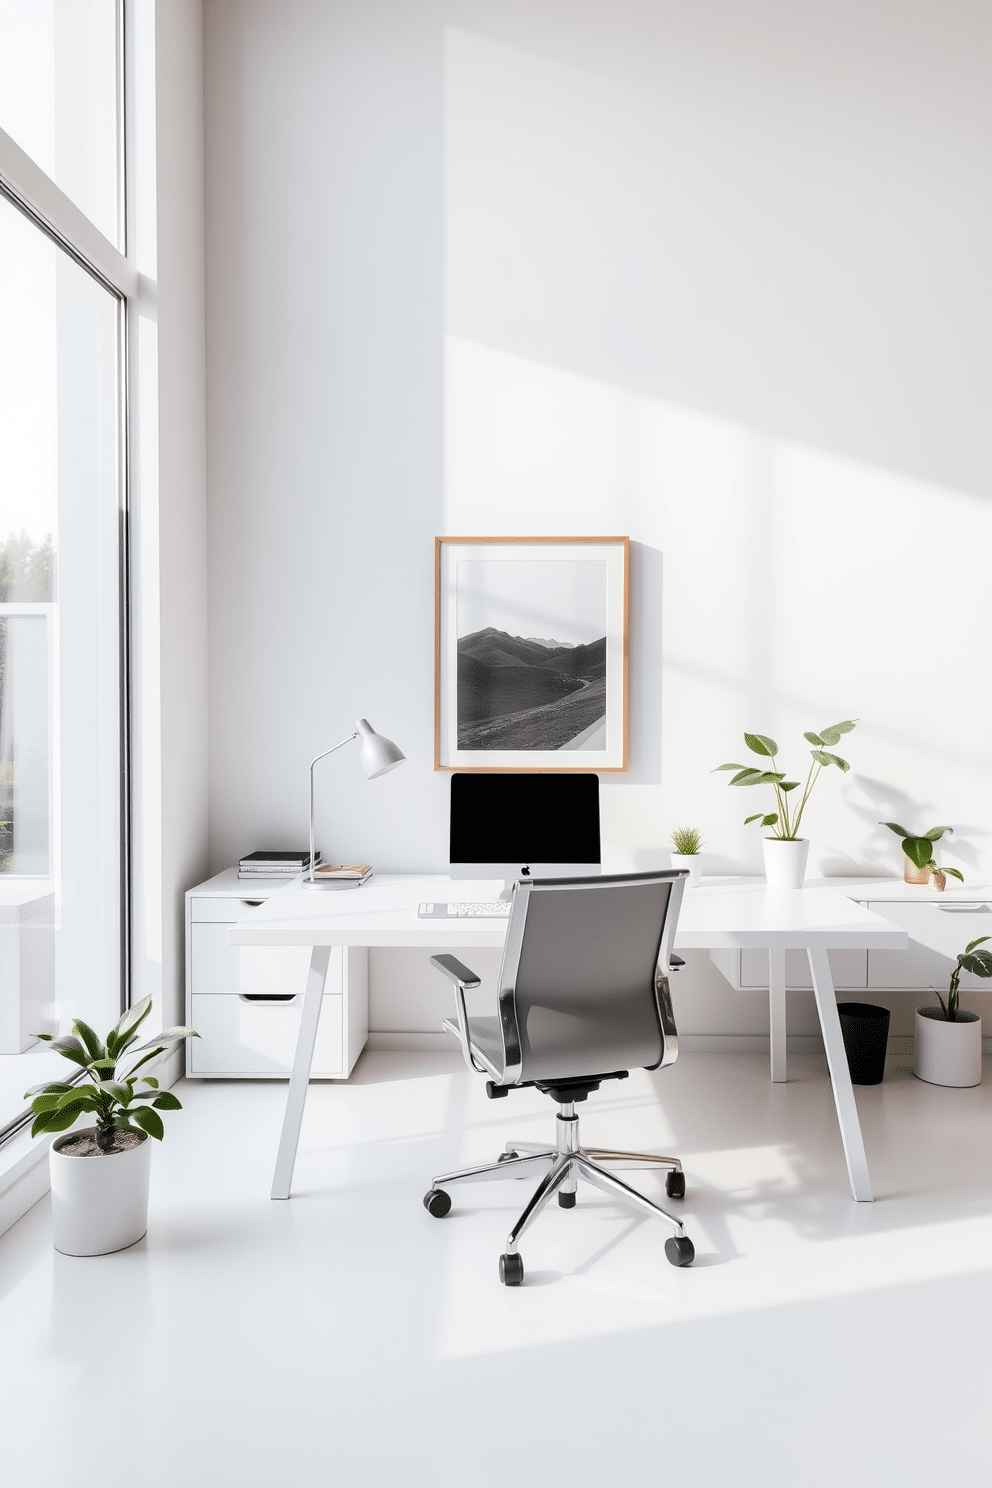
(525, 871)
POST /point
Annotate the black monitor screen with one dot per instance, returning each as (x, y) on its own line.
(525, 818)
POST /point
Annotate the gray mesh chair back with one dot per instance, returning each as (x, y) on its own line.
(581, 976)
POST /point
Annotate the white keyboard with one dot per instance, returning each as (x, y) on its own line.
(465, 909)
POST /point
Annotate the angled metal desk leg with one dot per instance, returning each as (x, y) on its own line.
(296, 1098)
(776, 1015)
(840, 1076)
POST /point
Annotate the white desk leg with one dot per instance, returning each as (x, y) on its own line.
(296, 1098)
(840, 1076)
(776, 1015)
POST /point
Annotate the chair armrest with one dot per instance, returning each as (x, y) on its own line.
(456, 971)
(460, 977)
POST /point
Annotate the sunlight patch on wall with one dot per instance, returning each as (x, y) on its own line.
(800, 587)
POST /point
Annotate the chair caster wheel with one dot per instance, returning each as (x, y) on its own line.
(566, 1200)
(437, 1202)
(511, 1270)
(680, 1250)
(675, 1185)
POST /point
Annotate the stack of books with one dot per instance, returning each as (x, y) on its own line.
(272, 864)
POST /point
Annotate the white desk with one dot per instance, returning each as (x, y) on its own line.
(384, 913)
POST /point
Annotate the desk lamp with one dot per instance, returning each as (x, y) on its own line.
(378, 755)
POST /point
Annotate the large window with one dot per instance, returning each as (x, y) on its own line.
(60, 98)
(62, 549)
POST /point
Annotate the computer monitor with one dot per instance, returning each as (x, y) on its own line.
(524, 826)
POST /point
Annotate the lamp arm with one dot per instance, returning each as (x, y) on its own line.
(314, 761)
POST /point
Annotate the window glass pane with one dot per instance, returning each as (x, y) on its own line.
(60, 626)
(59, 97)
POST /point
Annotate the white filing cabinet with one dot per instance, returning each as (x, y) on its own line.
(245, 1002)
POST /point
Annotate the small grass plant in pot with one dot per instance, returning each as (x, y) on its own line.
(785, 851)
(687, 850)
(948, 1047)
(919, 865)
(100, 1173)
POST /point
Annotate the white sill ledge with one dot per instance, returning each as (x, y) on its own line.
(23, 1175)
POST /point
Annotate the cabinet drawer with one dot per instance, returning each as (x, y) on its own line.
(849, 969)
(209, 911)
(937, 933)
(217, 966)
(239, 1037)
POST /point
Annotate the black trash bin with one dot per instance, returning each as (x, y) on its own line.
(866, 1031)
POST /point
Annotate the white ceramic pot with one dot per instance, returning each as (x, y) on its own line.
(948, 1053)
(694, 863)
(99, 1203)
(785, 862)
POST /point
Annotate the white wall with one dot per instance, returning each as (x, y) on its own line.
(714, 276)
(169, 529)
(182, 475)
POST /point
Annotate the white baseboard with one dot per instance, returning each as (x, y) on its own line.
(428, 1043)
(900, 1044)
(746, 1043)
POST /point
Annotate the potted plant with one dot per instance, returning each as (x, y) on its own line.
(948, 1039)
(687, 847)
(785, 851)
(100, 1173)
(919, 867)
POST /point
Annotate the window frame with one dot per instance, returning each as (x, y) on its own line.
(37, 197)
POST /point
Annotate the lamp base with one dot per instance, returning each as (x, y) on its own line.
(336, 884)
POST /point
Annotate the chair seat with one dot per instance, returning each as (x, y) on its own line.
(484, 1037)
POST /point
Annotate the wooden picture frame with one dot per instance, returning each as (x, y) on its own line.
(508, 611)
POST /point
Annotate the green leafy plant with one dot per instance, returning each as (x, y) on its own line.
(112, 1068)
(919, 850)
(687, 840)
(977, 962)
(787, 817)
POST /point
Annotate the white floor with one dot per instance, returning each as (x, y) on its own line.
(346, 1337)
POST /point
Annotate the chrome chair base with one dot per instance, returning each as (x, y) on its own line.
(559, 1169)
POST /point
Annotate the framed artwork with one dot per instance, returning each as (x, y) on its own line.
(530, 653)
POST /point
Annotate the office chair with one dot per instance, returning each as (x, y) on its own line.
(583, 998)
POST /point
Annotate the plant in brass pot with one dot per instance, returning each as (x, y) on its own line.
(785, 851)
(100, 1173)
(949, 1039)
(920, 865)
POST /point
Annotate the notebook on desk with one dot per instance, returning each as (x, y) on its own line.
(348, 872)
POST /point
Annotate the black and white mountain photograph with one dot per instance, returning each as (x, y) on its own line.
(532, 654)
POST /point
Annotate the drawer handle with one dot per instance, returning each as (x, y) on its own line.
(279, 997)
(253, 903)
(962, 908)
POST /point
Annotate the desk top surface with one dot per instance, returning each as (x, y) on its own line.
(732, 914)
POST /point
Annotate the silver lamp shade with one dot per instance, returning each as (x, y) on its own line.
(378, 754)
